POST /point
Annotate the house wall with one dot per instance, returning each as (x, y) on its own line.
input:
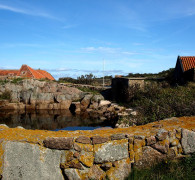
(189, 75)
(178, 72)
(119, 86)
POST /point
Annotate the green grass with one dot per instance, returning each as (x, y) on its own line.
(172, 170)
(2, 82)
(86, 89)
(5, 96)
(16, 80)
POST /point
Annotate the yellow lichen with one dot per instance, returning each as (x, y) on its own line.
(85, 147)
(37, 136)
(87, 158)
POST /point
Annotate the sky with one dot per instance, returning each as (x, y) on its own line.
(69, 38)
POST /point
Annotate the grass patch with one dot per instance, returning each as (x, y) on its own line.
(2, 82)
(5, 95)
(86, 89)
(171, 170)
(16, 80)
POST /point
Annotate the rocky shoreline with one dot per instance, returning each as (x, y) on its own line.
(33, 95)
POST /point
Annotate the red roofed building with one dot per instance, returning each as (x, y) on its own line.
(185, 68)
(27, 72)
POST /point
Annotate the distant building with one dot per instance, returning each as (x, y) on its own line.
(120, 86)
(26, 72)
(185, 69)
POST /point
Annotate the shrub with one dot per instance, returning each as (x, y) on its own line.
(2, 82)
(16, 80)
(5, 95)
(156, 103)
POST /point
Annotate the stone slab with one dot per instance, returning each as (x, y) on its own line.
(28, 161)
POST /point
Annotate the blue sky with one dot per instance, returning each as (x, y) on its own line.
(72, 37)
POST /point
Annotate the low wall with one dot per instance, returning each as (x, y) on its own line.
(38, 154)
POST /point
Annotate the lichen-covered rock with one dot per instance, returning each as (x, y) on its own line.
(162, 134)
(139, 137)
(86, 158)
(96, 173)
(188, 141)
(28, 161)
(106, 166)
(72, 174)
(118, 136)
(161, 146)
(85, 147)
(60, 143)
(99, 139)
(83, 140)
(138, 143)
(72, 164)
(174, 142)
(150, 140)
(172, 152)
(111, 151)
(120, 171)
(149, 157)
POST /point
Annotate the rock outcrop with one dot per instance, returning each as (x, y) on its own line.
(28, 154)
(35, 94)
(29, 94)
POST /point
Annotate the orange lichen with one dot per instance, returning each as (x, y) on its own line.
(37, 136)
(85, 147)
(87, 159)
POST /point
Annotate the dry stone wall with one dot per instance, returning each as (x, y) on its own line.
(28, 154)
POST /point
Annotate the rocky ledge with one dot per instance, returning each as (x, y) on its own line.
(38, 154)
(30, 94)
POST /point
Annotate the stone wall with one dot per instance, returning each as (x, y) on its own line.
(28, 154)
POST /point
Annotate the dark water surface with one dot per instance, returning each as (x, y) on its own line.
(50, 120)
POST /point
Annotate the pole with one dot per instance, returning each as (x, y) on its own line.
(103, 71)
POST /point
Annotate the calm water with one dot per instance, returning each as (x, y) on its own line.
(51, 120)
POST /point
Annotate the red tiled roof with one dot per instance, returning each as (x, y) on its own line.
(27, 72)
(188, 62)
(46, 74)
(8, 72)
(36, 74)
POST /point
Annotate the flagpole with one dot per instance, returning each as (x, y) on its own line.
(103, 71)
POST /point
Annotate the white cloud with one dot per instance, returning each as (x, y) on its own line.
(27, 11)
(130, 53)
(138, 44)
(10, 45)
(101, 49)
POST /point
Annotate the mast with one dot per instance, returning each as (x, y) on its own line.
(103, 71)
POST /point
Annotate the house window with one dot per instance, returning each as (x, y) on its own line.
(23, 73)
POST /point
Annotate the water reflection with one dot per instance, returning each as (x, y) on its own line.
(50, 120)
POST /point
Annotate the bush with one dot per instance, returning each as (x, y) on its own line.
(5, 95)
(16, 80)
(89, 79)
(156, 103)
(2, 82)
